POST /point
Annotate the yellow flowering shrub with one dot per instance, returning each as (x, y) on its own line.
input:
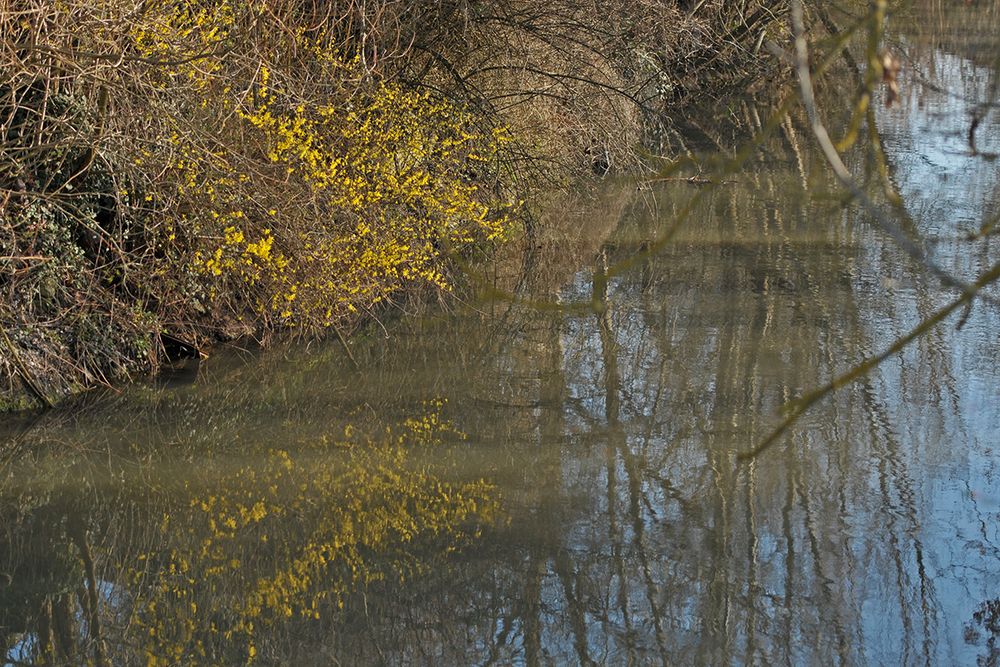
(309, 189)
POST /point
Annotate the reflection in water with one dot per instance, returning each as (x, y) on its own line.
(596, 513)
(228, 559)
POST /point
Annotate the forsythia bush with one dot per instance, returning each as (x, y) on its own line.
(212, 168)
(311, 189)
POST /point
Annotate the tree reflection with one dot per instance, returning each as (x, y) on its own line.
(641, 537)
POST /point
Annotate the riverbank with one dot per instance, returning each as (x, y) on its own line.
(187, 173)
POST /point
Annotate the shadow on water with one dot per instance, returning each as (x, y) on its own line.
(512, 484)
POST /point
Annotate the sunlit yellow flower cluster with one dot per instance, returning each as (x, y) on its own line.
(391, 164)
(305, 203)
(185, 35)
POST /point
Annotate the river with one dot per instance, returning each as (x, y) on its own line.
(555, 472)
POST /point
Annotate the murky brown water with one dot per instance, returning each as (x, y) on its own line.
(546, 482)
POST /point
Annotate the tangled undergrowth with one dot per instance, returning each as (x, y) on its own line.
(178, 172)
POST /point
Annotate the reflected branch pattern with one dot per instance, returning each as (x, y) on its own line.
(572, 469)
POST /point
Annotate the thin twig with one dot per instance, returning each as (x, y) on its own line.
(798, 407)
(347, 348)
(969, 292)
(841, 171)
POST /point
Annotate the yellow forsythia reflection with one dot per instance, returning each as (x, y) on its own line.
(282, 543)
